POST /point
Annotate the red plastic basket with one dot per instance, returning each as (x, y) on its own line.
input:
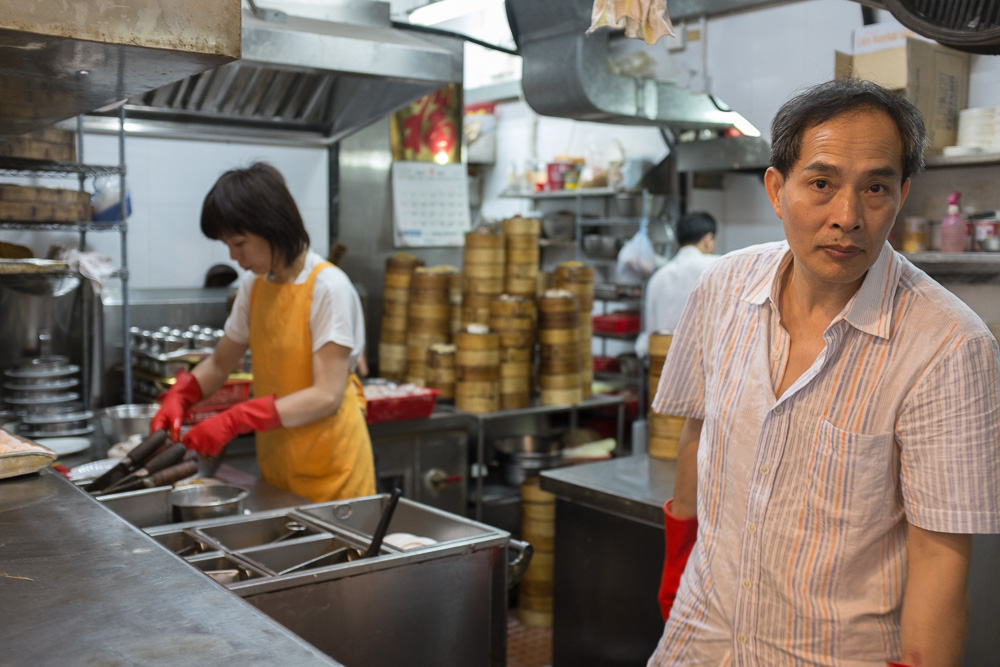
(417, 405)
(606, 364)
(624, 323)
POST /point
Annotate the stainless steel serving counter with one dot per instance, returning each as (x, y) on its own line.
(81, 586)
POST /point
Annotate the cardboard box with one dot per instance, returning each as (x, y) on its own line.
(933, 77)
(879, 36)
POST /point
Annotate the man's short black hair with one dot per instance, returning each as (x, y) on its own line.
(692, 227)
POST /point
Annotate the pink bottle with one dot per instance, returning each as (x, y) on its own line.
(953, 227)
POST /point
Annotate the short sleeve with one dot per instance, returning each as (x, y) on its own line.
(681, 389)
(949, 437)
(336, 315)
(237, 326)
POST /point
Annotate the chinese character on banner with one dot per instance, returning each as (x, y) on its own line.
(429, 130)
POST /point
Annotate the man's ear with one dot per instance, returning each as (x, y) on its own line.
(774, 182)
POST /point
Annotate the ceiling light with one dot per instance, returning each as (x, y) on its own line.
(446, 10)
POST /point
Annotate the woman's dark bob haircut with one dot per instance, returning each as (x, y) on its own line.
(255, 200)
(825, 101)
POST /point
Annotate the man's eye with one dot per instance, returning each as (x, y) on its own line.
(878, 189)
(821, 184)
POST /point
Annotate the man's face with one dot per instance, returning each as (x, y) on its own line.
(841, 197)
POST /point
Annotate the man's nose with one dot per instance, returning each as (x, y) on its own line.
(847, 211)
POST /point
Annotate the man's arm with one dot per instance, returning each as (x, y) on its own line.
(684, 505)
(936, 600)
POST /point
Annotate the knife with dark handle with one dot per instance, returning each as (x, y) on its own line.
(165, 459)
(130, 463)
(174, 473)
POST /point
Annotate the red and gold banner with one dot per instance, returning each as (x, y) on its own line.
(429, 130)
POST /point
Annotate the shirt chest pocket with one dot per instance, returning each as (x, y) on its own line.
(853, 481)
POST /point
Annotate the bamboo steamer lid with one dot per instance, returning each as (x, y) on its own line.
(578, 279)
(484, 237)
(396, 295)
(393, 337)
(424, 278)
(402, 262)
(565, 381)
(521, 225)
(664, 435)
(507, 306)
(560, 396)
(523, 272)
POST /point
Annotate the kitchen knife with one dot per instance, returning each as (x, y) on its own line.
(175, 473)
(130, 463)
(165, 459)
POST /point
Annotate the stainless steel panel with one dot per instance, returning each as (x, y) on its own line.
(146, 507)
(56, 63)
(258, 531)
(320, 551)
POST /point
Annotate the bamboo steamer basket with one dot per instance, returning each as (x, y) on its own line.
(521, 225)
(538, 529)
(440, 370)
(394, 325)
(392, 361)
(399, 268)
(523, 255)
(578, 278)
(559, 348)
(477, 370)
(664, 430)
(659, 346)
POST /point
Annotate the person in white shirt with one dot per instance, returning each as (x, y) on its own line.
(668, 289)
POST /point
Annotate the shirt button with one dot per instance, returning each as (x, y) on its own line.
(764, 469)
(742, 639)
(778, 409)
(752, 528)
(746, 583)
(776, 355)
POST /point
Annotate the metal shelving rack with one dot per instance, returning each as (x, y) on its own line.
(23, 167)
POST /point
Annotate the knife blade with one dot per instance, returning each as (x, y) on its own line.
(130, 463)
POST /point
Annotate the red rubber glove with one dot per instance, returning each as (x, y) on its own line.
(175, 404)
(210, 436)
(680, 535)
(896, 664)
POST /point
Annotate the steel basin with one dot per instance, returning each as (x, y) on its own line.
(258, 531)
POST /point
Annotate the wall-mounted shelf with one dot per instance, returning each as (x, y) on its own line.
(562, 194)
(976, 160)
(10, 166)
(964, 267)
(87, 226)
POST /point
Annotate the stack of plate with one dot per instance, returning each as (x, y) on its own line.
(43, 393)
(978, 132)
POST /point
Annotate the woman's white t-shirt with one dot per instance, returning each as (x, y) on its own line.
(334, 317)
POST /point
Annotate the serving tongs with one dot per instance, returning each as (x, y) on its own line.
(132, 462)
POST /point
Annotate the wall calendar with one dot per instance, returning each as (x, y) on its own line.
(430, 204)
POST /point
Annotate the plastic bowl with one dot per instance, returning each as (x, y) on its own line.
(121, 421)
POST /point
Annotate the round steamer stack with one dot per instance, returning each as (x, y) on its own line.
(664, 430)
(477, 370)
(429, 320)
(482, 274)
(395, 302)
(538, 511)
(521, 236)
(559, 339)
(455, 298)
(441, 370)
(513, 318)
(578, 279)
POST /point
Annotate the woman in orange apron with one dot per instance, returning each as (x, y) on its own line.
(302, 320)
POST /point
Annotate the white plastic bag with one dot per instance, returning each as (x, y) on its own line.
(637, 259)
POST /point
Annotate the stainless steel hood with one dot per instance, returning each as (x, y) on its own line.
(319, 76)
(59, 59)
(565, 74)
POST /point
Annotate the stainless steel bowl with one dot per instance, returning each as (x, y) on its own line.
(121, 421)
(206, 501)
(601, 246)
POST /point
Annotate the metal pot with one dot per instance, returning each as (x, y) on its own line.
(194, 503)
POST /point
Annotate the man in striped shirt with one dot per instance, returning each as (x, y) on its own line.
(842, 440)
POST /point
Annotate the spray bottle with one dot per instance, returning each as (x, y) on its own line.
(953, 227)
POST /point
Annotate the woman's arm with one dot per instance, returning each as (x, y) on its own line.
(323, 398)
(936, 600)
(212, 372)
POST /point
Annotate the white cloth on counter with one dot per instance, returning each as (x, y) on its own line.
(91, 265)
(334, 317)
(641, 19)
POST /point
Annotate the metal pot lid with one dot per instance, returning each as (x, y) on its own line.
(42, 386)
(49, 434)
(44, 372)
(55, 417)
(63, 397)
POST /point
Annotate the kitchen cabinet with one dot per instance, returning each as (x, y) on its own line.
(30, 168)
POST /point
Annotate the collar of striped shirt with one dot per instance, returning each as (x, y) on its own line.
(869, 310)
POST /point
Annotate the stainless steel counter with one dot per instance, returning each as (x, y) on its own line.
(633, 486)
(81, 586)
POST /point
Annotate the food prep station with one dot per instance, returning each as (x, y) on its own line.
(132, 583)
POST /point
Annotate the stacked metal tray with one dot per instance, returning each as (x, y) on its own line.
(43, 393)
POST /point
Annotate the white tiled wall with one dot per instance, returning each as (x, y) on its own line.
(168, 179)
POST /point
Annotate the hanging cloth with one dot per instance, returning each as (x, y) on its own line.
(641, 19)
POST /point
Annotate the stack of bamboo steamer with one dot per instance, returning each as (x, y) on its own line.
(513, 318)
(395, 311)
(559, 348)
(441, 370)
(521, 240)
(429, 320)
(482, 274)
(477, 369)
(455, 299)
(577, 278)
(538, 511)
(664, 430)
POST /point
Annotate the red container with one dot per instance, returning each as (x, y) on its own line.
(622, 323)
(606, 364)
(418, 405)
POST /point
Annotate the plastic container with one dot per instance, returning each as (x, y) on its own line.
(954, 229)
(418, 405)
(622, 323)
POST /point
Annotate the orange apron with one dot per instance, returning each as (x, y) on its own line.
(328, 459)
